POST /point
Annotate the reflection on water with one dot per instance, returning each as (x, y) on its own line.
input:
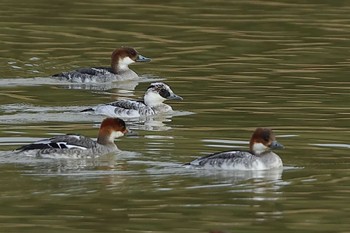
(71, 165)
(333, 145)
(24, 114)
(239, 176)
(123, 85)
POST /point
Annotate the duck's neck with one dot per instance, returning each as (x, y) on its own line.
(257, 148)
(120, 65)
(116, 68)
(105, 138)
(105, 141)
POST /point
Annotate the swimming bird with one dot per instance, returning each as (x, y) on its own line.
(259, 156)
(78, 146)
(119, 70)
(151, 104)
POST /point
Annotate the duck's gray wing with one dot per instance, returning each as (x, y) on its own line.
(88, 71)
(122, 108)
(84, 75)
(128, 104)
(131, 108)
(217, 159)
(61, 142)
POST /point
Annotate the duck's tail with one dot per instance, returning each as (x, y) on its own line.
(88, 110)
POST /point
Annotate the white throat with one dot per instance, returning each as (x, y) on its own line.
(124, 63)
(259, 148)
(115, 134)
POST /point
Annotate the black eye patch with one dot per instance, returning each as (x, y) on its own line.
(164, 93)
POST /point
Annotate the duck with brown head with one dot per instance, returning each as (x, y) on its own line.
(259, 156)
(119, 71)
(78, 146)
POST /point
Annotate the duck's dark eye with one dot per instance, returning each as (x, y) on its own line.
(164, 93)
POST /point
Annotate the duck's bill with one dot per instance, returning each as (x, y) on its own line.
(276, 145)
(141, 58)
(174, 97)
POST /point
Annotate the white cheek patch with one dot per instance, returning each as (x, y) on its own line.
(116, 134)
(124, 62)
(259, 148)
(153, 99)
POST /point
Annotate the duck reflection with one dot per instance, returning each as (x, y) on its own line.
(239, 176)
(123, 85)
(151, 123)
(116, 161)
(128, 85)
(26, 113)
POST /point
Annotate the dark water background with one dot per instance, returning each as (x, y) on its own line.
(237, 64)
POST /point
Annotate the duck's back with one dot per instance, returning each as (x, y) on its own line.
(228, 160)
(128, 104)
(125, 108)
(66, 146)
(61, 142)
(88, 75)
(238, 160)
